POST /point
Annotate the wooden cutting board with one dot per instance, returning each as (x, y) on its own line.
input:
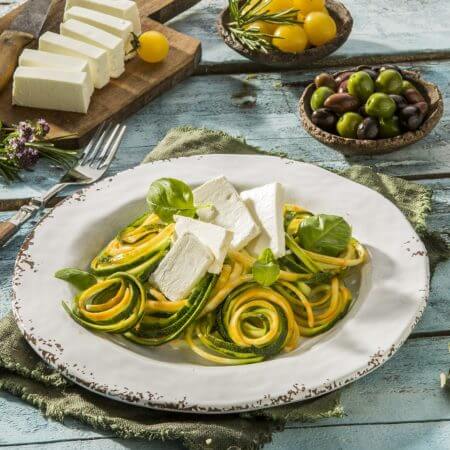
(140, 83)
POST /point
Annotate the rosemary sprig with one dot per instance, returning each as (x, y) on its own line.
(244, 13)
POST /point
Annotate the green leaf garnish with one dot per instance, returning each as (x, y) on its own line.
(78, 278)
(265, 269)
(325, 234)
(169, 196)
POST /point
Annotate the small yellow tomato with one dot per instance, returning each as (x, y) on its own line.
(306, 6)
(153, 46)
(280, 5)
(290, 38)
(320, 28)
(260, 26)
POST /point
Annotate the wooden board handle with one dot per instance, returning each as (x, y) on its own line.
(164, 10)
(7, 229)
(11, 45)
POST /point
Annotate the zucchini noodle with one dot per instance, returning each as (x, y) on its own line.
(228, 318)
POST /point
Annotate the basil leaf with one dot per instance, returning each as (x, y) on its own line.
(79, 278)
(325, 234)
(265, 269)
(168, 196)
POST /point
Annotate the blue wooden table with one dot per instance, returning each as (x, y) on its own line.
(398, 406)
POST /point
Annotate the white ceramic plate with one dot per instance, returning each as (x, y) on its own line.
(392, 294)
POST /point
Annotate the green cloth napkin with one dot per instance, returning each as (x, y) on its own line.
(24, 374)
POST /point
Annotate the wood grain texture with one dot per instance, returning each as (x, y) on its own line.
(140, 83)
(7, 229)
(263, 108)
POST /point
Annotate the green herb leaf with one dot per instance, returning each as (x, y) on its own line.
(168, 196)
(79, 278)
(265, 269)
(325, 234)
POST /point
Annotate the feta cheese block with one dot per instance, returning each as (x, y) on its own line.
(266, 206)
(182, 268)
(40, 87)
(119, 27)
(123, 9)
(231, 212)
(96, 57)
(216, 238)
(39, 58)
(112, 44)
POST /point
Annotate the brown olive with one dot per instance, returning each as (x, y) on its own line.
(341, 103)
(343, 88)
(423, 107)
(399, 100)
(343, 76)
(413, 96)
(324, 118)
(368, 129)
(325, 79)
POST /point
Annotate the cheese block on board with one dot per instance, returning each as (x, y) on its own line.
(99, 38)
(63, 90)
(119, 27)
(123, 9)
(96, 57)
(39, 58)
(231, 212)
(216, 238)
(266, 206)
(182, 268)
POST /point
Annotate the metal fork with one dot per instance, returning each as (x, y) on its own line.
(93, 163)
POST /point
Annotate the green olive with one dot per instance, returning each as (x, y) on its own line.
(319, 96)
(361, 85)
(380, 105)
(347, 125)
(389, 128)
(407, 85)
(389, 81)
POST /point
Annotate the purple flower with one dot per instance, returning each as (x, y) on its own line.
(27, 157)
(15, 144)
(25, 131)
(42, 128)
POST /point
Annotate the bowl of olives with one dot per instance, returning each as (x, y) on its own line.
(284, 33)
(369, 109)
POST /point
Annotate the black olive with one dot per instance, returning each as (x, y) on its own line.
(324, 118)
(372, 73)
(399, 100)
(411, 117)
(408, 111)
(392, 67)
(368, 129)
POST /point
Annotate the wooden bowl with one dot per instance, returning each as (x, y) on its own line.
(275, 58)
(348, 146)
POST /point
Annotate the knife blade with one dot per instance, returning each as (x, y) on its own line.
(25, 27)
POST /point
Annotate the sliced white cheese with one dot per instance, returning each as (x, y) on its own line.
(39, 87)
(182, 268)
(266, 205)
(231, 212)
(96, 57)
(112, 44)
(39, 58)
(216, 238)
(123, 9)
(119, 27)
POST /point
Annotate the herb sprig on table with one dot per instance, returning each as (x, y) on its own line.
(244, 14)
(23, 144)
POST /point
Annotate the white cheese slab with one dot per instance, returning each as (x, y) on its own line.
(39, 58)
(123, 9)
(266, 206)
(112, 44)
(119, 27)
(39, 87)
(96, 57)
(182, 268)
(216, 238)
(231, 212)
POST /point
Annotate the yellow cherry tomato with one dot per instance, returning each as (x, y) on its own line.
(260, 26)
(306, 6)
(290, 38)
(153, 46)
(280, 5)
(320, 28)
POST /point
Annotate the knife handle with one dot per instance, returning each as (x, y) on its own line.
(11, 45)
(7, 230)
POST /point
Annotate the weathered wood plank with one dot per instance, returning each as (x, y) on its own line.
(401, 30)
(263, 109)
